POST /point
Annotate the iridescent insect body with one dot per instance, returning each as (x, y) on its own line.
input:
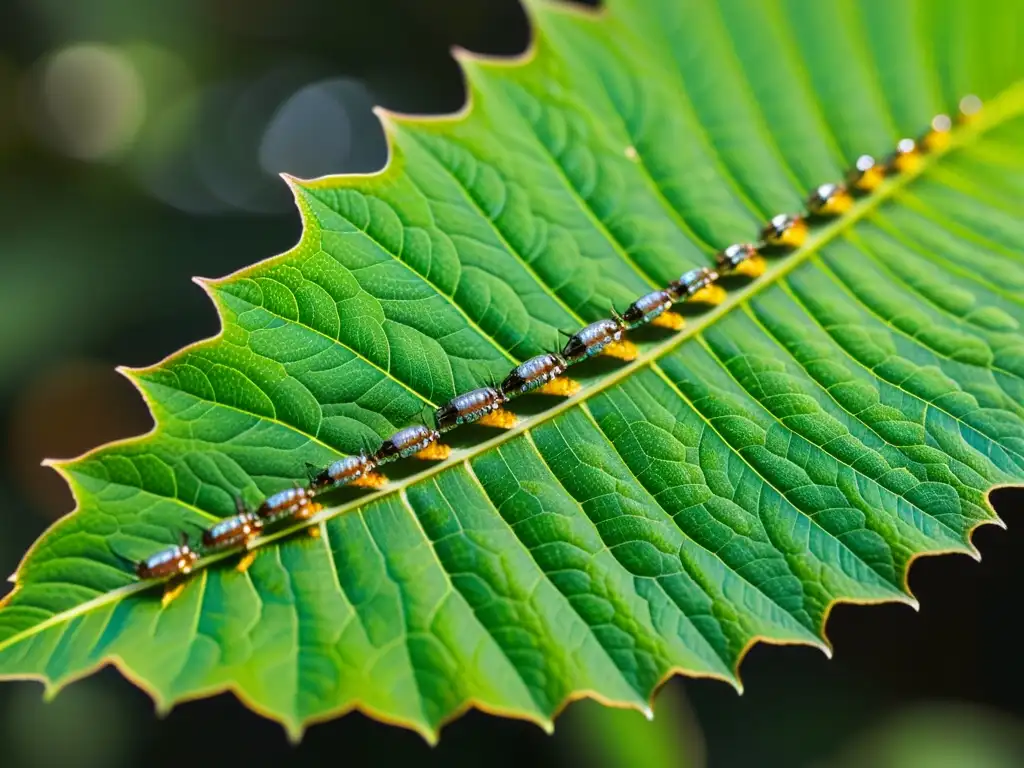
(289, 504)
(346, 471)
(176, 560)
(591, 340)
(646, 309)
(830, 199)
(691, 283)
(231, 532)
(866, 175)
(533, 374)
(467, 408)
(740, 259)
(406, 442)
(787, 230)
(905, 158)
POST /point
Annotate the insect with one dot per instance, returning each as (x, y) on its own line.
(740, 259)
(291, 503)
(787, 230)
(970, 106)
(235, 531)
(905, 158)
(409, 442)
(830, 199)
(592, 340)
(351, 470)
(691, 283)
(937, 135)
(866, 175)
(176, 560)
(468, 408)
(651, 309)
(535, 373)
(697, 285)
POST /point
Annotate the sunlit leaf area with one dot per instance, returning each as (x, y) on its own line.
(691, 549)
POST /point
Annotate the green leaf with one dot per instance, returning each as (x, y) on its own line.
(799, 445)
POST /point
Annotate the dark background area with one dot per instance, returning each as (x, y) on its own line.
(139, 144)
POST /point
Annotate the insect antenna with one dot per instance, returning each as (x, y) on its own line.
(427, 416)
(365, 446)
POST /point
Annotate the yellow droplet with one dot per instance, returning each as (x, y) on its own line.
(908, 162)
(870, 180)
(561, 387)
(621, 350)
(934, 140)
(307, 511)
(500, 419)
(245, 562)
(313, 532)
(793, 237)
(710, 294)
(434, 452)
(838, 204)
(371, 480)
(907, 157)
(171, 593)
(755, 266)
(669, 320)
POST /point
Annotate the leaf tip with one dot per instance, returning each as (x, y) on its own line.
(298, 187)
(648, 712)
(294, 731)
(460, 54)
(127, 371)
(467, 58)
(430, 735)
(290, 180)
(386, 116)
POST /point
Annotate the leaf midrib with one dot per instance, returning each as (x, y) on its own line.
(1005, 106)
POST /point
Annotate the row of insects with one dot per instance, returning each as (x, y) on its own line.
(542, 374)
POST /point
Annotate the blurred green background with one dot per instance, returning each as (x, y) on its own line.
(140, 144)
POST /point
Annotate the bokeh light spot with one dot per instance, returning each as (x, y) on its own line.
(310, 134)
(86, 726)
(93, 101)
